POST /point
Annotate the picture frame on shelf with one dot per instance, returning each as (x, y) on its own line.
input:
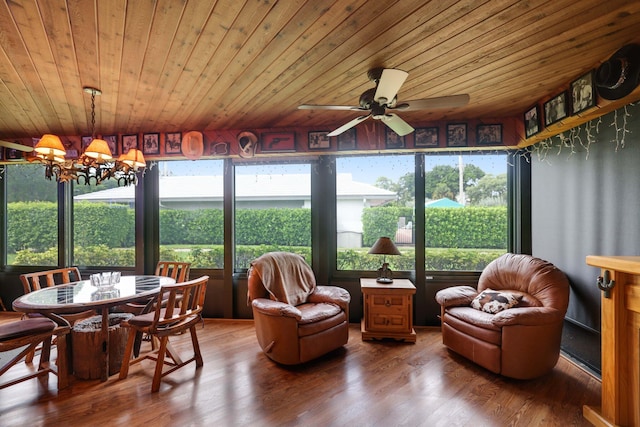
(555, 109)
(84, 142)
(129, 142)
(347, 140)
(456, 135)
(172, 142)
(319, 140)
(151, 143)
(278, 142)
(532, 121)
(583, 92)
(112, 142)
(426, 137)
(392, 140)
(489, 134)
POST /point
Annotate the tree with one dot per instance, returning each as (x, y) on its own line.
(490, 190)
(26, 183)
(443, 181)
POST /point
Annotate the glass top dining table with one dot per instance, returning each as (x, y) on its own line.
(81, 296)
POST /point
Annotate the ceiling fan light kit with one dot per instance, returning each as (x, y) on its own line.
(381, 101)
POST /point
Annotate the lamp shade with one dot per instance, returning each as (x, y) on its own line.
(50, 146)
(384, 246)
(98, 149)
(134, 159)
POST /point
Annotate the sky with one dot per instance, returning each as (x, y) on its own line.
(363, 168)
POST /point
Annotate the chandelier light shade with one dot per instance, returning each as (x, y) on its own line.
(133, 159)
(384, 246)
(98, 149)
(95, 165)
(50, 147)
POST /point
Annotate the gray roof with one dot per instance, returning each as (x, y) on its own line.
(248, 187)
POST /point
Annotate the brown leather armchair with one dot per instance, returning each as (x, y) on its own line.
(522, 341)
(295, 320)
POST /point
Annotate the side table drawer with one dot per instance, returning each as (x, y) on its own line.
(389, 322)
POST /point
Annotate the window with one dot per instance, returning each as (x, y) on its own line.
(191, 212)
(272, 211)
(104, 225)
(375, 198)
(32, 216)
(465, 210)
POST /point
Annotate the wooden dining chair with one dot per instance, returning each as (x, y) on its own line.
(178, 308)
(47, 278)
(34, 281)
(20, 338)
(176, 270)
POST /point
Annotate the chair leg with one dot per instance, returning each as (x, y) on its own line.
(63, 361)
(126, 358)
(157, 376)
(45, 354)
(29, 357)
(196, 346)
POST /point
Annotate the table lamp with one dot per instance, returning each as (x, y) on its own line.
(384, 246)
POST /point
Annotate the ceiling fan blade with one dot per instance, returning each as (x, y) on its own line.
(16, 146)
(328, 107)
(396, 124)
(390, 82)
(348, 125)
(433, 103)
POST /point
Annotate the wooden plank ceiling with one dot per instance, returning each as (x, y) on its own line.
(179, 65)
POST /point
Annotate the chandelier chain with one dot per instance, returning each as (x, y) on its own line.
(93, 114)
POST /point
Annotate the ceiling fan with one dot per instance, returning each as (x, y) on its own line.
(16, 146)
(381, 101)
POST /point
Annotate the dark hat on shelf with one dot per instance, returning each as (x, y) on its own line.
(619, 75)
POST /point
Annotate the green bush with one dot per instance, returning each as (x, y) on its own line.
(287, 227)
(32, 225)
(436, 259)
(382, 221)
(470, 227)
(99, 255)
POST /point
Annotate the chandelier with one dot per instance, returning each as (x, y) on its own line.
(95, 165)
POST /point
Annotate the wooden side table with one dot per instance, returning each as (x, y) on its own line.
(388, 310)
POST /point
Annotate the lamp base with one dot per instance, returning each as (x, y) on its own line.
(384, 280)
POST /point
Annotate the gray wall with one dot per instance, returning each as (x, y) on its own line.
(586, 201)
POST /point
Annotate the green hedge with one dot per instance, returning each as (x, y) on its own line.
(470, 227)
(101, 226)
(382, 221)
(436, 259)
(213, 257)
(34, 225)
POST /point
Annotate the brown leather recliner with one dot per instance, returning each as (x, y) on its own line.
(521, 342)
(295, 320)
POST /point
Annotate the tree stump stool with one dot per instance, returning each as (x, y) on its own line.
(86, 342)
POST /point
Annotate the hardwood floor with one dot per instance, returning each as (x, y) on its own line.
(363, 384)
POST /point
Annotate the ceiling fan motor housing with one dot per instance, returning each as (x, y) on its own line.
(368, 103)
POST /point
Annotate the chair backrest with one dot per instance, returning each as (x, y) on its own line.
(525, 273)
(282, 276)
(179, 306)
(175, 270)
(33, 281)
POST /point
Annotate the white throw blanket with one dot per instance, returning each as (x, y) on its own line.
(286, 276)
